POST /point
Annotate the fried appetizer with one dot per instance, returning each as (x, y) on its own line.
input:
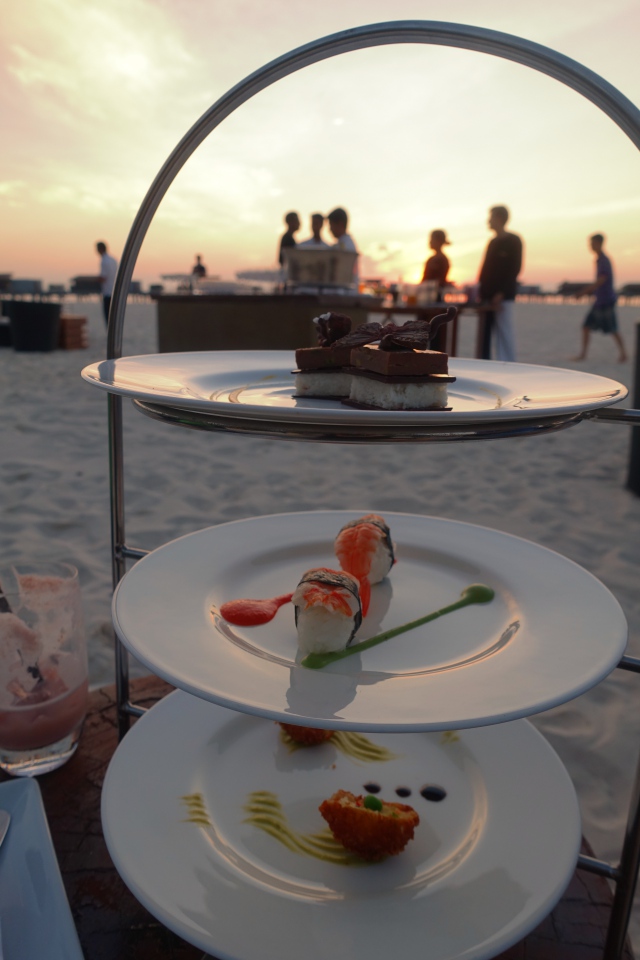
(367, 825)
(308, 736)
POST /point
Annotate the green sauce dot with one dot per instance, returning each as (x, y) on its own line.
(372, 803)
(478, 593)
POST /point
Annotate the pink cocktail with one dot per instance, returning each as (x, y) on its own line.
(43, 669)
(31, 727)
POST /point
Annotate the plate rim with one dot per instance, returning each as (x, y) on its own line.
(343, 415)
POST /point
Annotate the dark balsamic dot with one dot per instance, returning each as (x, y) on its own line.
(435, 794)
(372, 787)
(403, 791)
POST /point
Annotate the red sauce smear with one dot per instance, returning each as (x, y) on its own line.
(252, 613)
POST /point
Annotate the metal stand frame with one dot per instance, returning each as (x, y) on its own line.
(621, 110)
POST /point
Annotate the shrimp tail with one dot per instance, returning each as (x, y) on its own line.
(365, 594)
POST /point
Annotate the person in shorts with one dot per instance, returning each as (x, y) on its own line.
(602, 315)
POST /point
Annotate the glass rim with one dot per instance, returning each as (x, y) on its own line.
(45, 568)
(13, 590)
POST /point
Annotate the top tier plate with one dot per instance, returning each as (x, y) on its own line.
(251, 392)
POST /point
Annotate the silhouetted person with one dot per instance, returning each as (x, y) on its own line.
(108, 270)
(437, 267)
(602, 315)
(499, 284)
(338, 222)
(315, 240)
(199, 270)
(292, 221)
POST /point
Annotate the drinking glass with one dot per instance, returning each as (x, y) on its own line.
(43, 667)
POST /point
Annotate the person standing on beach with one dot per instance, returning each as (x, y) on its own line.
(437, 266)
(338, 222)
(199, 270)
(108, 270)
(499, 284)
(602, 315)
(292, 221)
(315, 240)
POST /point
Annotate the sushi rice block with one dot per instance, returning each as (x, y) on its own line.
(365, 550)
(328, 611)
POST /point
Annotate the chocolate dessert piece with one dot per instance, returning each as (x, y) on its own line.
(323, 358)
(400, 372)
(321, 370)
(331, 327)
(399, 363)
(413, 335)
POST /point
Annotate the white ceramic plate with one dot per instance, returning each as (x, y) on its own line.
(551, 632)
(486, 865)
(258, 385)
(34, 911)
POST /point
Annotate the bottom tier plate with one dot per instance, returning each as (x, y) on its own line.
(192, 787)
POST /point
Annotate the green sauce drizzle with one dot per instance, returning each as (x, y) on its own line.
(266, 813)
(476, 593)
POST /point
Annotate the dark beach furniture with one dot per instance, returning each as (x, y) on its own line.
(34, 325)
(570, 290)
(85, 286)
(22, 288)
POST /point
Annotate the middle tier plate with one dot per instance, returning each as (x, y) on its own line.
(551, 632)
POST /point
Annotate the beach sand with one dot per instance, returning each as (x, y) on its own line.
(565, 490)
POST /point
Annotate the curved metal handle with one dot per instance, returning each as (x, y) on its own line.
(621, 110)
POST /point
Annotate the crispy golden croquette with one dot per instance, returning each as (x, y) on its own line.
(367, 826)
(309, 736)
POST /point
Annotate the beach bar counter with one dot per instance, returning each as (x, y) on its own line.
(188, 321)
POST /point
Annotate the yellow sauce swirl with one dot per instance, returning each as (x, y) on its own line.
(266, 813)
(353, 745)
(196, 810)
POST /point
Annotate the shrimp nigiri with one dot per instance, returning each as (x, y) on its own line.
(327, 610)
(365, 550)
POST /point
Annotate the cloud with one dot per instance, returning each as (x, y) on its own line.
(95, 97)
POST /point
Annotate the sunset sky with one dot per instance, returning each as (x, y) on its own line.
(94, 96)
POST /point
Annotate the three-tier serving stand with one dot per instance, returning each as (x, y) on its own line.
(540, 58)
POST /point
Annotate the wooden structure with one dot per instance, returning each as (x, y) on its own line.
(72, 332)
(251, 322)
